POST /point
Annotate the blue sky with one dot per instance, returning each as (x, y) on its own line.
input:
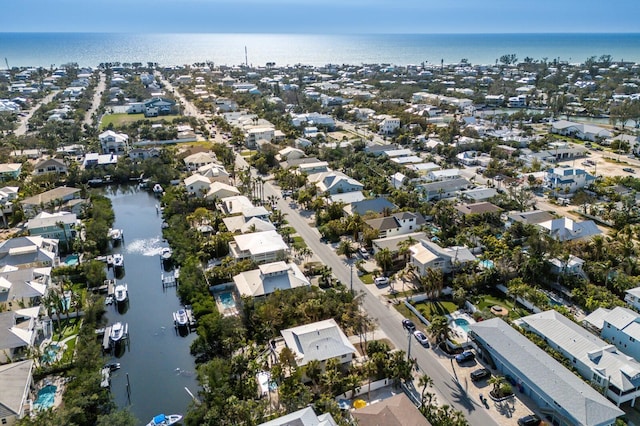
(321, 16)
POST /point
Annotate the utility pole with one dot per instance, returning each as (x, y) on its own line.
(351, 276)
(409, 348)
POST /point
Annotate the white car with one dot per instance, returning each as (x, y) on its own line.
(380, 281)
(363, 252)
(420, 337)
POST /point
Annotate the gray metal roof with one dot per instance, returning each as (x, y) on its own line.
(562, 389)
(320, 340)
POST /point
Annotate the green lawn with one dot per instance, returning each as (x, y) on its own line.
(124, 118)
(487, 301)
(367, 278)
(430, 309)
(69, 328)
(298, 243)
(67, 356)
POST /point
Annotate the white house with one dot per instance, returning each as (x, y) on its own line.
(303, 417)
(389, 125)
(199, 159)
(632, 297)
(596, 360)
(569, 180)
(197, 185)
(445, 174)
(321, 341)
(16, 379)
(261, 247)
(255, 134)
(618, 326)
(215, 172)
(114, 143)
(565, 229)
(50, 166)
(269, 278)
(587, 132)
(427, 254)
(334, 182)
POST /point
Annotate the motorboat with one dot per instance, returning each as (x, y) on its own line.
(117, 332)
(166, 253)
(121, 293)
(165, 420)
(180, 318)
(118, 260)
(116, 235)
(112, 366)
(157, 189)
(110, 260)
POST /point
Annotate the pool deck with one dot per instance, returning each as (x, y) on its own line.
(58, 381)
(224, 310)
(456, 330)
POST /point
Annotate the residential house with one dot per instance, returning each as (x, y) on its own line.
(559, 394)
(16, 379)
(269, 278)
(220, 190)
(565, 229)
(59, 226)
(50, 166)
(533, 217)
(445, 174)
(10, 171)
(618, 326)
(313, 119)
(23, 286)
(290, 153)
(17, 334)
(54, 197)
(243, 225)
(396, 224)
(253, 135)
(477, 195)
(334, 182)
(632, 297)
(565, 181)
(443, 189)
(93, 159)
(595, 360)
(215, 173)
(320, 341)
(389, 125)
(139, 154)
(197, 185)
(313, 167)
(153, 107)
(29, 251)
(429, 255)
(586, 132)
(261, 247)
(477, 208)
(303, 417)
(395, 243)
(572, 265)
(397, 410)
(114, 143)
(199, 159)
(235, 204)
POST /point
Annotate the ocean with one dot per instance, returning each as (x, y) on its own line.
(91, 49)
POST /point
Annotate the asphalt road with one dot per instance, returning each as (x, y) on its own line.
(449, 391)
(95, 102)
(22, 127)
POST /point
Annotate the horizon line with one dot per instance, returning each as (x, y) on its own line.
(331, 33)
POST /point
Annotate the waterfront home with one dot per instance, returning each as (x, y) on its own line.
(243, 225)
(59, 226)
(32, 251)
(618, 326)
(24, 286)
(220, 190)
(93, 159)
(261, 247)
(18, 332)
(16, 379)
(632, 297)
(199, 159)
(197, 185)
(334, 182)
(234, 204)
(215, 173)
(303, 417)
(396, 224)
(48, 199)
(588, 132)
(320, 341)
(397, 410)
(50, 166)
(269, 278)
(114, 143)
(595, 360)
(10, 171)
(559, 394)
(427, 255)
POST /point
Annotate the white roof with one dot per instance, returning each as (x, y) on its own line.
(44, 219)
(320, 340)
(269, 278)
(303, 417)
(236, 203)
(596, 318)
(196, 178)
(260, 242)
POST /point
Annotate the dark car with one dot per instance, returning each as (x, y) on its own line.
(479, 374)
(465, 357)
(530, 420)
(409, 325)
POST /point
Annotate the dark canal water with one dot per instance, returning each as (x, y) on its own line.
(157, 360)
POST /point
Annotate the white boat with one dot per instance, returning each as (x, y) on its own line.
(109, 260)
(117, 331)
(118, 260)
(166, 253)
(180, 317)
(157, 189)
(121, 293)
(164, 420)
(116, 235)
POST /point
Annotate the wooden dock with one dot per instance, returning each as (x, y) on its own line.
(168, 280)
(107, 344)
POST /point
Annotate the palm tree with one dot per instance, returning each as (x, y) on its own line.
(500, 386)
(439, 328)
(384, 259)
(346, 248)
(425, 382)
(355, 225)
(313, 371)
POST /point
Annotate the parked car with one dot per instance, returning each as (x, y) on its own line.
(530, 420)
(380, 281)
(363, 252)
(421, 338)
(465, 357)
(629, 170)
(408, 325)
(479, 374)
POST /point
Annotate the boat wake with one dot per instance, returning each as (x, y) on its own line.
(185, 373)
(145, 247)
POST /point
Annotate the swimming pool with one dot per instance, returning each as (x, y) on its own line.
(462, 323)
(71, 260)
(46, 397)
(487, 264)
(50, 354)
(226, 300)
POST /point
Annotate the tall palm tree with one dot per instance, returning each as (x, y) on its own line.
(346, 248)
(439, 328)
(424, 382)
(384, 259)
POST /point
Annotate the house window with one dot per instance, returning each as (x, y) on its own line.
(4, 421)
(632, 339)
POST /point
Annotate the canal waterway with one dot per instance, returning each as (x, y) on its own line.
(157, 359)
